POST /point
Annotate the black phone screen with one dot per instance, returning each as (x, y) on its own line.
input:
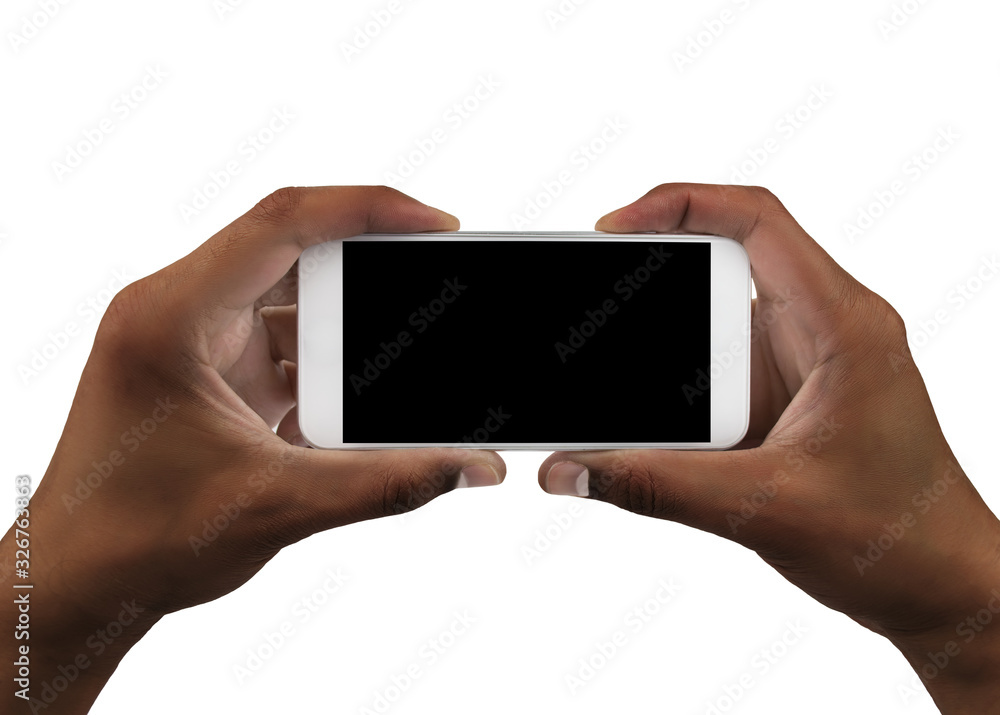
(470, 341)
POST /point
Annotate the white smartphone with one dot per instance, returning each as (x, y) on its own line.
(543, 341)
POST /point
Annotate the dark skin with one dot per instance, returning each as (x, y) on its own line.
(843, 440)
(201, 334)
(194, 366)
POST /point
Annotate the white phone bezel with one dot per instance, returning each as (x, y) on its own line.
(320, 337)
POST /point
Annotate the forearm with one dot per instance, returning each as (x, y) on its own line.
(959, 660)
(43, 677)
(962, 678)
(56, 652)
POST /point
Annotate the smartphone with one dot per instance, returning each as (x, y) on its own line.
(543, 341)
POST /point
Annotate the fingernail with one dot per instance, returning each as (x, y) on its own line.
(569, 479)
(477, 475)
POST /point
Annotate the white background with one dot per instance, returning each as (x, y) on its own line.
(65, 235)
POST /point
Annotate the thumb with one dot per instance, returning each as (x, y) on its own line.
(705, 490)
(327, 489)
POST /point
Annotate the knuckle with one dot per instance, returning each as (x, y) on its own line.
(127, 315)
(769, 205)
(400, 487)
(762, 194)
(280, 206)
(879, 321)
(889, 327)
(867, 336)
(756, 205)
(384, 191)
(141, 338)
(635, 486)
(892, 320)
(845, 299)
(380, 200)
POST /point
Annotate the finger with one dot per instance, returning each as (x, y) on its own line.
(292, 372)
(282, 327)
(700, 489)
(288, 429)
(264, 389)
(250, 256)
(284, 292)
(322, 489)
(769, 390)
(782, 254)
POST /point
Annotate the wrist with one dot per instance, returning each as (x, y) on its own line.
(960, 672)
(958, 657)
(66, 620)
(55, 652)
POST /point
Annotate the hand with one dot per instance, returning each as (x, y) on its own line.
(845, 483)
(169, 486)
